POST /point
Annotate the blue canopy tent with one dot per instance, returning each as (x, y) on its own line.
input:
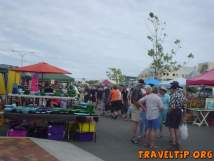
(154, 82)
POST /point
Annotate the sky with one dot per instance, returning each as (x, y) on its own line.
(87, 37)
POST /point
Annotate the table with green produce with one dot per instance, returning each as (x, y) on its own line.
(83, 115)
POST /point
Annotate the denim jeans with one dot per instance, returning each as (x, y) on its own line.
(129, 111)
(142, 123)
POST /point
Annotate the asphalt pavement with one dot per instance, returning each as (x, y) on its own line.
(113, 140)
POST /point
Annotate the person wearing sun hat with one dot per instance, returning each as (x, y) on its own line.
(165, 100)
(174, 115)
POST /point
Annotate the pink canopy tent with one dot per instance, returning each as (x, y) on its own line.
(106, 82)
(206, 78)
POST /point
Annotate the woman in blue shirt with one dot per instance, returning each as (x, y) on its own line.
(165, 100)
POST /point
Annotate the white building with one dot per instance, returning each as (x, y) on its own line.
(147, 73)
(203, 67)
(184, 72)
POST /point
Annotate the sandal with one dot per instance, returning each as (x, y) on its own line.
(178, 146)
(134, 141)
(174, 147)
(154, 147)
(115, 117)
(147, 145)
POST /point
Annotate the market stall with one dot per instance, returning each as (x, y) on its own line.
(45, 70)
(30, 114)
(201, 103)
(76, 123)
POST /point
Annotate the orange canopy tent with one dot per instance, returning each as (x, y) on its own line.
(43, 68)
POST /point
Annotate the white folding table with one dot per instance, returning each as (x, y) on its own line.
(201, 115)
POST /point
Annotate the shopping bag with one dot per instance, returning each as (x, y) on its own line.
(183, 131)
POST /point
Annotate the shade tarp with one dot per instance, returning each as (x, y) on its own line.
(206, 78)
(42, 68)
(58, 77)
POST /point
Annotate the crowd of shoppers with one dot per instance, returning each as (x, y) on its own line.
(149, 109)
(162, 107)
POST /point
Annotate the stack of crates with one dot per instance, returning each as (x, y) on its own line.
(17, 133)
(86, 131)
(56, 131)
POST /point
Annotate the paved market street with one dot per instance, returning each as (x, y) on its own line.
(113, 140)
(113, 143)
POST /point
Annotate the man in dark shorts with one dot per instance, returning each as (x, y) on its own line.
(93, 94)
(100, 100)
(86, 94)
(125, 102)
(174, 115)
(106, 96)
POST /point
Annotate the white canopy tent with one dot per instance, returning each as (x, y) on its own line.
(181, 81)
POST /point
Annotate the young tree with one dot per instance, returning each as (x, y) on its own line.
(92, 82)
(115, 74)
(162, 61)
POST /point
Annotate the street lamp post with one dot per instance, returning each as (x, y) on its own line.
(22, 54)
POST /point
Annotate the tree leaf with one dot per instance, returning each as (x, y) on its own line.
(150, 38)
(151, 14)
(190, 56)
(177, 41)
